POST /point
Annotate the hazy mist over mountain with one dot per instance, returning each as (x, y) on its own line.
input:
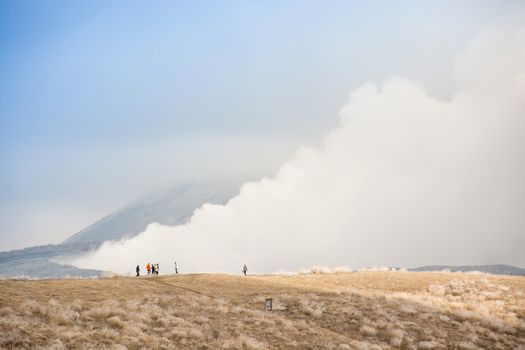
(170, 207)
(103, 103)
(406, 179)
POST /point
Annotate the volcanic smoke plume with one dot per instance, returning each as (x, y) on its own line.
(406, 179)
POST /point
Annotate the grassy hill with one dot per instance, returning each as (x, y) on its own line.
(361, 310)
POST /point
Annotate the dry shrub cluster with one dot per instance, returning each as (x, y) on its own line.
(226, 312)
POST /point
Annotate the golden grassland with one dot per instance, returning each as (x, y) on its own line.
(359, 310)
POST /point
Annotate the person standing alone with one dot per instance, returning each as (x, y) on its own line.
(244, 269)
(138, 270)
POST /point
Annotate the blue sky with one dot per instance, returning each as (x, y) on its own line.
(102, 102)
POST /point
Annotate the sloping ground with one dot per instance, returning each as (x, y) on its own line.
(34, 262)
(362, 310)
(170, 207)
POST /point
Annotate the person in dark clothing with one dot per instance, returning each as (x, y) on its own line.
(152, 269)
(138, 270)
(244, 269)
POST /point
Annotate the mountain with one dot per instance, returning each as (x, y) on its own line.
(171, 207)
(34, 262)
(492, 269)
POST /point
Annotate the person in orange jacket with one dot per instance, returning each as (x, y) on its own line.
(148, 267)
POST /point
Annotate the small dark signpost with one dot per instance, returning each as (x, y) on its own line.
(268, 304)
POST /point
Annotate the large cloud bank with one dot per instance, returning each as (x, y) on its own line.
(405, 179)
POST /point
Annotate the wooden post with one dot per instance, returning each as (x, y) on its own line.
(268, 304)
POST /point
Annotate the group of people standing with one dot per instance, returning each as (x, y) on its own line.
(151, 268)
(154, 269)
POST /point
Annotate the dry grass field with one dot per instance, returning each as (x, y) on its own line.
(360, 310)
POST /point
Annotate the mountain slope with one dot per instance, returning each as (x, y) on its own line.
(34, 262)
(172, 207)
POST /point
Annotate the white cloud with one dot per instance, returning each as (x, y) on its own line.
(406, 179)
